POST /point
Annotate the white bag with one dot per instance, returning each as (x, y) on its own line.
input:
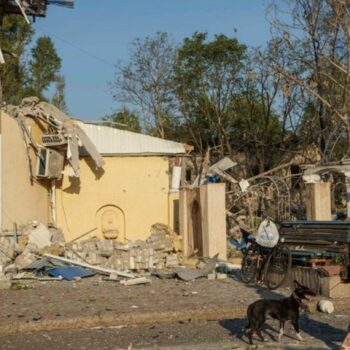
(268, 235)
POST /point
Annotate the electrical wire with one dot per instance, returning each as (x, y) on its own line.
(67, 42)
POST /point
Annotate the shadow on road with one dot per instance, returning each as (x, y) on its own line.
(321, 331)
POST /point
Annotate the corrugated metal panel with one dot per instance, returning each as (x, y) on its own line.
(114, 141)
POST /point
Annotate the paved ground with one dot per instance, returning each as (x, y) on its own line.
(172, 314)
(53, 303)
(319, 331)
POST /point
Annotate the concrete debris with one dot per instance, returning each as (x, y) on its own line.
(11, 269)
(189, 275)
(88, 266)
(25, 259)
(212, 276)
(190, 262)
(156, 252)
(135, 281)
(221, 276)
(113, 277)
(159, 252)
(34, 240)
(7, 251)
(5, 283)
(40, 235)
(44, 112)
(172, 261)
(162, 229)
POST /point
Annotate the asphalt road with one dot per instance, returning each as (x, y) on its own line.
(320, 331)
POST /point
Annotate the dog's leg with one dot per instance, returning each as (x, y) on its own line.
(258, 332)
(281, 330)
(250, 336)
(296, 328)
(259, 327)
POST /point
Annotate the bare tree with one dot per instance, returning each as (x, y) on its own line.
(317, 35)
(146, 82)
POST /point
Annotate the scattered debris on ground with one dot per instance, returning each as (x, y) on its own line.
(40, 253)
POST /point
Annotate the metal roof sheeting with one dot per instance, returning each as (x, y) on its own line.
(115, 141)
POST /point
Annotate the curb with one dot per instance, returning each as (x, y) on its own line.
(114, 320)
(131, 319)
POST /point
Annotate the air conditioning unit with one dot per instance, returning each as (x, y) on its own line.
(50, 140)
(49, 163)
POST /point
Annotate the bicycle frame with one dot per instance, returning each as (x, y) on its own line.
(263, 256)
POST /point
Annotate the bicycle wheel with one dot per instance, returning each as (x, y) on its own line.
(278, 266)
(250, 263)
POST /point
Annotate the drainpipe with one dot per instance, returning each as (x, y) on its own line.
(53, 202)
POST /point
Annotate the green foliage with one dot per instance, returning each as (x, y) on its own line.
(124, 120)
(26, 73)
(207, 76)
(44, 66)
(15, 34)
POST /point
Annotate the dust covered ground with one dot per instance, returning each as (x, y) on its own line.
(169, 314)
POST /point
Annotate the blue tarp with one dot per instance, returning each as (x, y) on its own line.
(68, 273)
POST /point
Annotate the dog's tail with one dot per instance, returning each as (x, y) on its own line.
(249, 316)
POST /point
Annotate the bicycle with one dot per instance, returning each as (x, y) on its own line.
(269, 265)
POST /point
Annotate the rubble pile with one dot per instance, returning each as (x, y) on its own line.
(7, 252)
(35, 240)
(134, 256)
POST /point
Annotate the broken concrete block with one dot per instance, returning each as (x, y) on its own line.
(40, 235)
(7, 252)
(22, 243)
(54, 250)
(94, 258)
(221, 276)
(171, 261)
(57, 236)
(11, 269)
(31, 248)
(134, 281)
(113, 276)
(190, 262)
(168, 235)
(201, 264)
(105, 248)
(212, 276)
(5, 283)
(25, 259)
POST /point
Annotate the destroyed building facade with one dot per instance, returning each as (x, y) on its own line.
(115, 184)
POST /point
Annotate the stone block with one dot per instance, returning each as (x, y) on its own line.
(212, 276)
(221, 276)
(40, 236)
(5, 283)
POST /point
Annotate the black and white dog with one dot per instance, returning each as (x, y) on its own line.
(286, 309)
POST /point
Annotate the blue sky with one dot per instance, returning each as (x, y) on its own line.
(93, 36)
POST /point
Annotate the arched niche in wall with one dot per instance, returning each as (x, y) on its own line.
(110, 220)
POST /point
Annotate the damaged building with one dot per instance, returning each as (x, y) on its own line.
(87, 179)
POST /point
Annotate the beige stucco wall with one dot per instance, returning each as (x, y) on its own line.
(21, 200)
(135, 188)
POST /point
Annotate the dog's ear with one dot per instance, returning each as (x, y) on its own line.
(296, 284)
